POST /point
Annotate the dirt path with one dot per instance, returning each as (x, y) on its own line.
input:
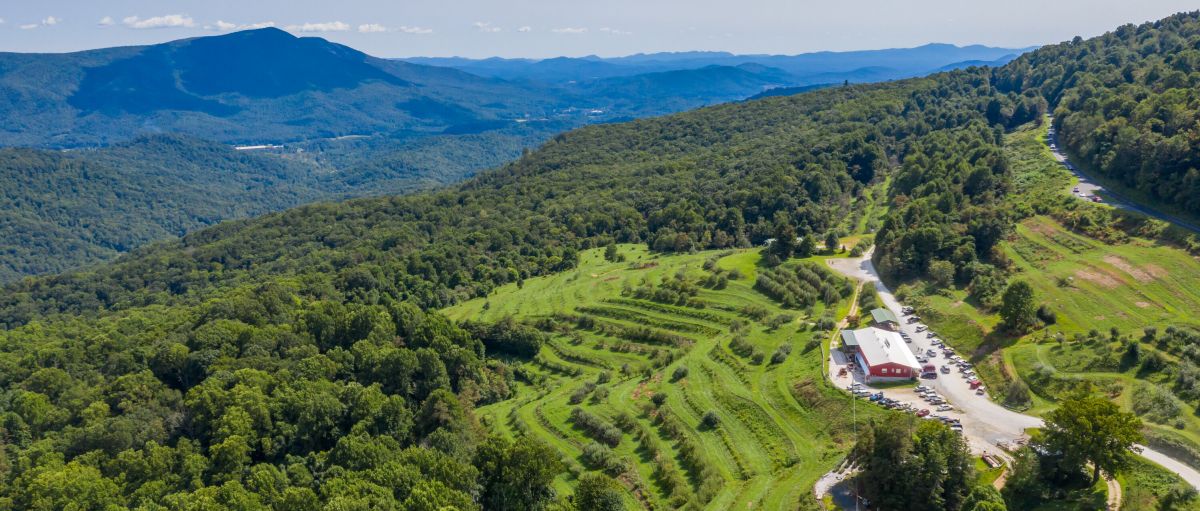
(1114, 493)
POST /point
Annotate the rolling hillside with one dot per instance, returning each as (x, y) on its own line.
(252, 87)
(306, 357)
(305, 341)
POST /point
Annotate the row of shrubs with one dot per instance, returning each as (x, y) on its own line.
(596, 427)
(691, 454)
(802, 286)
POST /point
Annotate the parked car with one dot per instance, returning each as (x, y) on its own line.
(922, 328)
(923, 412)
(945, 408)
(945, 369)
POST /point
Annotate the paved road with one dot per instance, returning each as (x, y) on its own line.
(1088, 188)
(986, 425)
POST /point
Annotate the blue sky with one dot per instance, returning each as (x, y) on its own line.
(542, 28)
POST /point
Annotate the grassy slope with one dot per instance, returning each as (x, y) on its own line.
(1091, 285)
(775, 439)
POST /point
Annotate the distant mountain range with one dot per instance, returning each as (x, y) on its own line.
(802, 69)
(247, 87)
(149, 130)
(268, 86)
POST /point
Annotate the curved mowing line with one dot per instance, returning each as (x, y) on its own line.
(708, 314)
(563, 353)
(758, 459)
(677, 340)
(647, 319)
(764, 425)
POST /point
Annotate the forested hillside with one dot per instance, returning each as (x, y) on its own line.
(296, 360)
(287, 358)
(63, 210)
(718, 177)
(1128, 104)
(248, 87)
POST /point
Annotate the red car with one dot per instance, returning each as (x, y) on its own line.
(1096, 198)
(922, 413)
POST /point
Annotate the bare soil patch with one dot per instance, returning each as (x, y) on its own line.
(1157, 271)
(1137, 273)
(1098, 277)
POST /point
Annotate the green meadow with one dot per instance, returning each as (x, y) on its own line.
(1127, 283)
(779, 426)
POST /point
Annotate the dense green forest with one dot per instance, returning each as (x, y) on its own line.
(295, 360)
(1128, 104)
(724, 176)
(68, 209)
(286, 357)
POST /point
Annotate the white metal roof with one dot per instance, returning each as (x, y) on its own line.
(881, 346)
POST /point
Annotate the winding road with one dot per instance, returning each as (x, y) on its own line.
(1089, 187)
(988, 427)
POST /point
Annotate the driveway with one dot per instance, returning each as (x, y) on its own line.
(987, 426)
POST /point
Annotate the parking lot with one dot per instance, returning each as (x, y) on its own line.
(985, 424)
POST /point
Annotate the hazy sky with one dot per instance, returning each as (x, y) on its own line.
(541, 28)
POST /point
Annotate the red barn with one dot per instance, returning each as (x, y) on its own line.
(881, 354)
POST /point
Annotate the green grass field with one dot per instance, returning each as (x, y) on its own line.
(781, 425)
(1092, 286)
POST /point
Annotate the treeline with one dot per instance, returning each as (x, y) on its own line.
(264, 398)
(939, 473)
(718, 177)
(1126, 103)
(62, 210)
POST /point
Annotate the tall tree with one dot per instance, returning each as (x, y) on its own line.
(1018, 310)
(935, 461)
(516, 475)
(832, 241)
(1090, 429)
(598, 492)
(785, 241)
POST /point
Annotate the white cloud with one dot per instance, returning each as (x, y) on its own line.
(48, 21)
(614, 31)
(525, 29)
(225, 26)
(570, 30)
(328, 26)
(371, 28)
(415, 30)
(485, 26)
(106, 21)
(168, 21)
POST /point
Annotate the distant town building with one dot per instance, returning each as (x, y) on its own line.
(880, 354)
